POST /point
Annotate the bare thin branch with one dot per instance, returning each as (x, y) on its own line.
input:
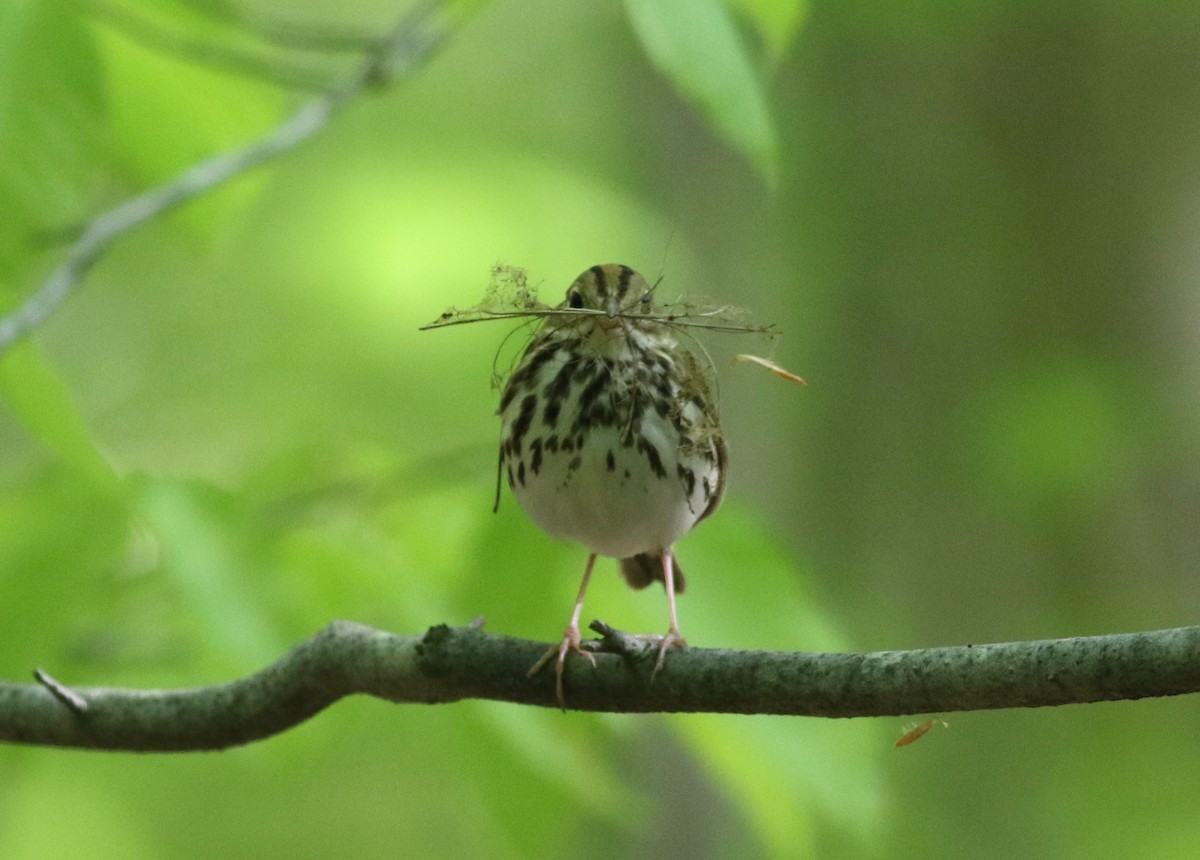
(410, 42)
(64, 694)
(253, 63)
(450, 664)
(326, 39)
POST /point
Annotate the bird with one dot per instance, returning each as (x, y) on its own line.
(610, 438)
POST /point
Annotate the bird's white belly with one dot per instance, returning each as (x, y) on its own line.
(619, 511)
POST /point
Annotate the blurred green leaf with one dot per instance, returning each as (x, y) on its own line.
(167, 112)
(458, 11)
(62, 541)
(208, 555)
(777, 23)
(696, 44)
(51, 134)
(217, 10)
(41, 400)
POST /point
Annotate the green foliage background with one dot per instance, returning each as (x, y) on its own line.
(975, 223)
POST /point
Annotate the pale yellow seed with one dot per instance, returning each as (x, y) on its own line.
(771, 366)
(919, 731)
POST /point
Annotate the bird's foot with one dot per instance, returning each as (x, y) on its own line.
(571, 641)
(672, 639)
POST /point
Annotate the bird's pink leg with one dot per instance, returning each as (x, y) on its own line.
(673, 639)
(571, 638)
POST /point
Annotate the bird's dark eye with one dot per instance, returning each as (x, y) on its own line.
(575, 299)
(646, 299)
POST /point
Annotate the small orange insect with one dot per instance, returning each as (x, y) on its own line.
(919, 731)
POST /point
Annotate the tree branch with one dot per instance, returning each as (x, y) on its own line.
(410, 42)
(239, 61)
(450, 664)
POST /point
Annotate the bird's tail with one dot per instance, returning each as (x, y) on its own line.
(641, 570)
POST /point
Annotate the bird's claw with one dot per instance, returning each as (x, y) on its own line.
(672, 639)
(571, 641)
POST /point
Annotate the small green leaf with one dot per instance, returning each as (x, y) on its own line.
(697, 46)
